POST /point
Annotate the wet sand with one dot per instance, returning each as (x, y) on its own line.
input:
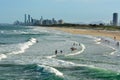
(92, 32)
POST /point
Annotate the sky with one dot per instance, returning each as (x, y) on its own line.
(69, 10)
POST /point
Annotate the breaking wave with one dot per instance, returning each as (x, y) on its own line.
(2, 56)
(24, 46)
(33, 72)
(20, 48)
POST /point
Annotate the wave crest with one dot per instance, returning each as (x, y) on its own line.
(25, 46)
(50, 70)
(2, 56)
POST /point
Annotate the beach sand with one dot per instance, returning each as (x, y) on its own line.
(105, 33)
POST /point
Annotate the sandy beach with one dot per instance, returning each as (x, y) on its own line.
(92, 32)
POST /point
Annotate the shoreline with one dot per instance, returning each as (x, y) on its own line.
(92, 32)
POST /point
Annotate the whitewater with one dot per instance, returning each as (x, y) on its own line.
(28, 53)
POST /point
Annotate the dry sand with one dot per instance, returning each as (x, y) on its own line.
(92, 32)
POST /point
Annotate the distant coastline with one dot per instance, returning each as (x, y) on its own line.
(106, 31)
(87, 26)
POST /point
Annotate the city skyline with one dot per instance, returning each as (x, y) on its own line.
(70, 11)
(30, 21)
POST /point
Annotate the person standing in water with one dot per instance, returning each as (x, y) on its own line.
(55, 52)
(61, 51)
(114, 38)
(117, 44)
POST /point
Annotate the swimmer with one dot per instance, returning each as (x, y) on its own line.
(61, 51)
(55, 52)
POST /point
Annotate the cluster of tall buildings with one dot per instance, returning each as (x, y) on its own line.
(28, 20)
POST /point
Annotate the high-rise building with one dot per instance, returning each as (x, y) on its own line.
(54, 21)
(25, 18)
(115, 19)
(41, 20)
(29, 19)
(60, 21)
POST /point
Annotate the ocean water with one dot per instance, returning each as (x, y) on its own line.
(28, 53)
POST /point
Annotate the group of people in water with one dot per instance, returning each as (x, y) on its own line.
(108, 41)
(56, 52)
(73, 48)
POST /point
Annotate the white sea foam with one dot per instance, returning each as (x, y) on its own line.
(108, 43)
(98, 40)
(51, 56)
(55, 62)
(114, 50)
(24, 46)
(41, 29)
(66, 63)
(51, 70)
(23, 32)
(61, 63)
(2, 32)
(2, 56)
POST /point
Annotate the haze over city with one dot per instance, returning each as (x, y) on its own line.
(68, 10)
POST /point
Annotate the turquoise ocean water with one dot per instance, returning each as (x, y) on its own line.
(28, 53)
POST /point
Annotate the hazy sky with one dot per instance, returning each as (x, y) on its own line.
(68, 10)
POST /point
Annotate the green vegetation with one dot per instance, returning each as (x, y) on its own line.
(89, 26)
